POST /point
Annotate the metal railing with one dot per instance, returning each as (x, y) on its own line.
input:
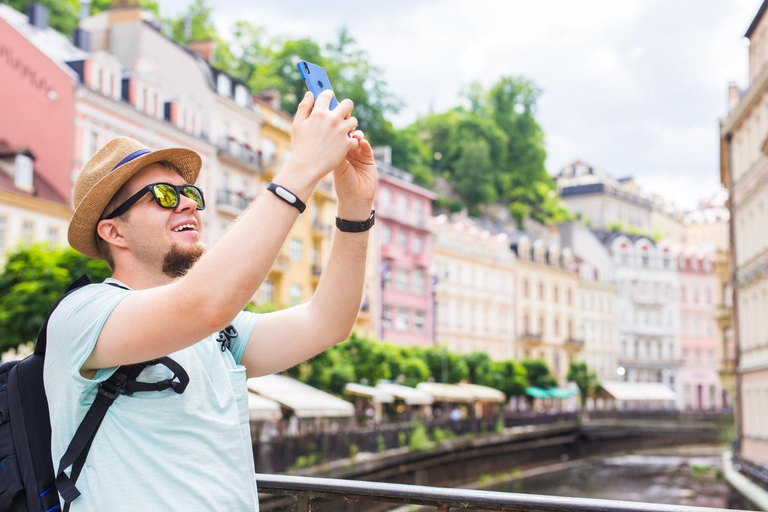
(308, 489)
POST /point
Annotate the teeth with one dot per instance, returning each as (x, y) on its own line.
(183, 227)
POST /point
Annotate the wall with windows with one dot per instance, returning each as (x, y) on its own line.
(25, 219)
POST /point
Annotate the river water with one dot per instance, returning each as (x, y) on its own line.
(667, 479)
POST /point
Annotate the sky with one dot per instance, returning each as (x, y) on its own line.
(634, 87)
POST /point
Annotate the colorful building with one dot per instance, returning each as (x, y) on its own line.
(474, 289)
(403, 248)
(547, 305)
(700, 387)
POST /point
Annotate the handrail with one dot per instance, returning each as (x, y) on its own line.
(305, 489)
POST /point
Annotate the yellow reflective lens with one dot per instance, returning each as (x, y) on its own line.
(166, 195)
(194, 194)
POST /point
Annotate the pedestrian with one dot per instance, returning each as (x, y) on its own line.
(140, 211)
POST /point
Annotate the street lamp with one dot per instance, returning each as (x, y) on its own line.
(620, 371)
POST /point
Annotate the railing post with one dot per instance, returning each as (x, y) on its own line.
(443, 508)
(303, 499)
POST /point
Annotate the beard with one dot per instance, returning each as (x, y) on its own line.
(177, 261)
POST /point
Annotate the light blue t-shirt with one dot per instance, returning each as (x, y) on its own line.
(154, 450)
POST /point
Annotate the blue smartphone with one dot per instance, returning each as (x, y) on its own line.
(316, 80)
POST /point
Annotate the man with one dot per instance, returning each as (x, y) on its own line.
(136, 209)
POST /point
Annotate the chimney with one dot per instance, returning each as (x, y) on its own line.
(206, 48)
(82, 39)
(38, 15)
(85, 9)
(271, 96)
(383, 153)
(733, 96)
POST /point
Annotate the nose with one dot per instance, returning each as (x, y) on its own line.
(185, 204)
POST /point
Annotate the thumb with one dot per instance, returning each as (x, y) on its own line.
(304, 108)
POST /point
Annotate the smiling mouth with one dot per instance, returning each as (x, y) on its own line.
(185, 227)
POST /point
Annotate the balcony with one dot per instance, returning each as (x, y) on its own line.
(574, 344)
(281, 263)
(240, 153)
(321, 229)
(723, 316)
(406, 218)
(231, 202)
(530, 339)
(324, 189)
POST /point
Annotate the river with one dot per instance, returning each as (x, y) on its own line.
(668, 479)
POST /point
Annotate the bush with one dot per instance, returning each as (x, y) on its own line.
(380, 444)
(419, 439)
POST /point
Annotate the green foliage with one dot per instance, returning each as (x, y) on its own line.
(439, 357)
(63, 15)
(263, 307)
(33, 279)
(585, 379)
(510, 377)
(353, 451)
(538, 374)
(419, 439)
(402, 438)
(498, 428)
(380, 444)
(439, 435)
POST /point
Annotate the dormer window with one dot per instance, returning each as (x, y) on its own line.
(223, 85)
(23, 172)
(241, 95)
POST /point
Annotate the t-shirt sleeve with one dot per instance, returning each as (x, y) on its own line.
(244, 323)
(74, 328)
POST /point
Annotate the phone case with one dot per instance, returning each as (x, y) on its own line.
(316, 79)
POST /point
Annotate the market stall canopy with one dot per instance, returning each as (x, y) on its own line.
(537, 392)
(263, 409)
(446, 392)
(484, 393)
(641, 391)
(561, 392)
(305, 401)
(377, 395)
(410, 396)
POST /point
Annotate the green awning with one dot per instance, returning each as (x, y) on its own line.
(537, 392)
(561, 392)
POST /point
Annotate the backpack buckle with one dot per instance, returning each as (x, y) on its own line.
(113, 386)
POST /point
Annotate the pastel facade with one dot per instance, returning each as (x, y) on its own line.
(547, 311)
(700, 386)
(405, 306)
(474, 289)
(744, 171)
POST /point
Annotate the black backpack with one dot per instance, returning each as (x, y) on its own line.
(28, 482)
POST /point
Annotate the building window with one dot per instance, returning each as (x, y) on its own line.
(27, 229)
(2, 235)
(386, 199)
(685, 357)
(419, 207)
(698, 358)
(296, 249)
(223, 85)
(526, 291)
(402, 240)
(386, 320)
(313, 256)
(556, 326)
(402, 203)
(526, 324)
(267, 291)
(570, 297)
(711, 355)
(418, 320)
(682, 294)
(314, 212)
(53, 237)
(541, 325)
(294, 294)
(418, 281)
(555, 295)
(402, 278)
(541, 291)
(401, 322)
(23, 172)
(646, 261)
(418, 244)
(386, 235)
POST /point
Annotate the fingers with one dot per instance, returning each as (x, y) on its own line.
(352, 144)
(304, 108)
(345, 108)
(350, 125)
(324, 100)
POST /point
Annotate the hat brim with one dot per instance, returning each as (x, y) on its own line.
(82, 228)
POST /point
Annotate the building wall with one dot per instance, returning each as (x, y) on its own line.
(700, 386)
(474, 289)
(36, 104)
(598, 327)
(26, 219)
(754, 389)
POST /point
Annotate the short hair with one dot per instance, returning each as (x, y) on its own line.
(120, 196)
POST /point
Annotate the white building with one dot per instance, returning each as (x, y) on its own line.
(474, 292)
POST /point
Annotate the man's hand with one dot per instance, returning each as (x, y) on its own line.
(355, 178)
(319, 142)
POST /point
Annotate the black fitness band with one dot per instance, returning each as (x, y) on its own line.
(287, 196)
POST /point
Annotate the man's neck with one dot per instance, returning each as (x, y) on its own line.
(141, 279)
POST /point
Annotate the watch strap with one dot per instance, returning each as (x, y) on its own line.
(356, 226)
(287, 196)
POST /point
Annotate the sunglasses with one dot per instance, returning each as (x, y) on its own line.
(166, 196)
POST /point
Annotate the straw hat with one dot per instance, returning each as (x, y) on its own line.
(106, 172)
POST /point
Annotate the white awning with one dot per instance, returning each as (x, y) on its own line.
(305, 401)
(263, 409)
(446, 392)
(378, 396)
(484, 393)
(639, 391)
(411, 396)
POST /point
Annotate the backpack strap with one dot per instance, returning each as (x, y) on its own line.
(122, 381)
(42, 335)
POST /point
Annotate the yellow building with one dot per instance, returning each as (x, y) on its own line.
(296, 271)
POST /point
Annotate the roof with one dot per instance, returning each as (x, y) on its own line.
(484, 393)
(263, 409)
(411, 396)
(41, 188)
(447, 392)
(639, 391)
(756, 19)
(305, 401)
(378, 396)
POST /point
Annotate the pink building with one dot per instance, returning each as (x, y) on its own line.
(37, 99)
(406, 303)
(700, 387)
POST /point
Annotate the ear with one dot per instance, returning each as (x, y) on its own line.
(109, 231)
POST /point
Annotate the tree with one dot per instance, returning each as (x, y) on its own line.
(586, 380)
(538, 374)
(508, 376)
(63, 15)
(33, 279)
(439, 358)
